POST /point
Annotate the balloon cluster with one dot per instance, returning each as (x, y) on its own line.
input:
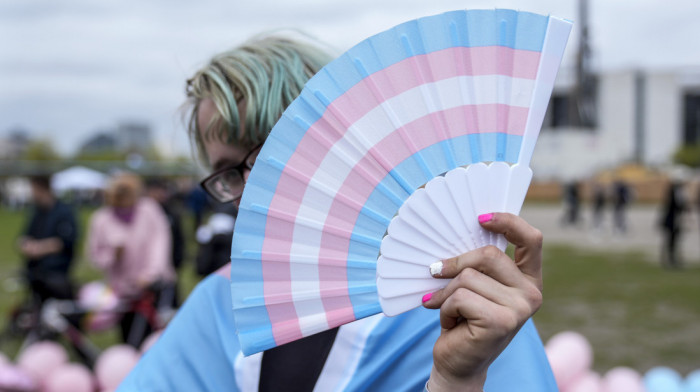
(44, 367)
(571, 357)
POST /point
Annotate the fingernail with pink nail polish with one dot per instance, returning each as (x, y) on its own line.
(427, 297)
(485, 218)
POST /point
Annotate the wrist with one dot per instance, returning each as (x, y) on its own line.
(441, 383)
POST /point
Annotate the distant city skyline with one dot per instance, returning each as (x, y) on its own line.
(73, 68)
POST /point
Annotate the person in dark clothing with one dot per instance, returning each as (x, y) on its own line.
(673, 207)
(158, 190)
(622, 196)
(197, 203)
(572, 204)
(599, 198)
(47, 243)
(214, 239)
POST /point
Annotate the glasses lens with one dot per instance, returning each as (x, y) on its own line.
(226, 186)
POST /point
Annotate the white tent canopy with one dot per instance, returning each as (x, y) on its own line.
(78, 178)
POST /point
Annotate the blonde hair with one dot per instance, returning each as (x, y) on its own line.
(123, 188)
(263, 75)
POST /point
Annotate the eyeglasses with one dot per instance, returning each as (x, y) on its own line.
(226, 185)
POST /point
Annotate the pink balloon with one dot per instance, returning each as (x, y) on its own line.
(587, 382)
(622, 379)
(570, 356)
(13, 378)
(114, 364)
(150, 341)
(40, 358)
(69, 378)
(97, 296)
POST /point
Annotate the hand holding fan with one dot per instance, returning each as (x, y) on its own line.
(381, 166)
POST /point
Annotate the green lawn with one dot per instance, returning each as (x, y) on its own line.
(633, 312)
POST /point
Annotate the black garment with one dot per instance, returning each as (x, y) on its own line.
(214, 254)
(573, 203)
(296, 366)
(48, 276)
(177, 254)
(674, 205)
(598, 207)
(622, 197)
(215, 242)
(175, 221)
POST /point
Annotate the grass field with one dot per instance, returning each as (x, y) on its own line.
(633, 312)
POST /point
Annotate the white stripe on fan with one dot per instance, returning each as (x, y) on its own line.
(353, 146)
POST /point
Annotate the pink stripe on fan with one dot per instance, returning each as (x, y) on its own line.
(477, 61)
(277, 282)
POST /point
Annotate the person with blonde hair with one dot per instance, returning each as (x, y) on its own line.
(129, 239)
(480, 338)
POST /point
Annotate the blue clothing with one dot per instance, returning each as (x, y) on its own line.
(199, 351)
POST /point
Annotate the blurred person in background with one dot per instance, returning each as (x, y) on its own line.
(130, 240)
(572, 204)
(158, 190)
(599, 199)
(47, 243)
(197, 203)
(673, 207)
(233, 103)
(622, 197)
(214, 239)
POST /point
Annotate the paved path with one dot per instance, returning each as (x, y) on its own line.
(642, 234)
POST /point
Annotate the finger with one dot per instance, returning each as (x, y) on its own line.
(516, 230)
(478, 283)
(465, 304)
(527, 239)
(489, 260)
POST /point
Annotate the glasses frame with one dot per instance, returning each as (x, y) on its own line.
(238, 168)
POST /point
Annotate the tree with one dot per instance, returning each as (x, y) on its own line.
(40, 150)
(688, 155)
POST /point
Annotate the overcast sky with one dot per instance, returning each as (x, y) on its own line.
(69, 68)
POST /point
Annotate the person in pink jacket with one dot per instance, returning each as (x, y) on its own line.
(129, 239)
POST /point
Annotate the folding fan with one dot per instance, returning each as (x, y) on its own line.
(382, 164)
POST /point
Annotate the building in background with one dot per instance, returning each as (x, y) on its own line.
(99, 143)
(127, 137)
(640, 117)
(134, 136)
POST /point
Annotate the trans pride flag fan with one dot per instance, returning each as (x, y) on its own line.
(381, 165)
